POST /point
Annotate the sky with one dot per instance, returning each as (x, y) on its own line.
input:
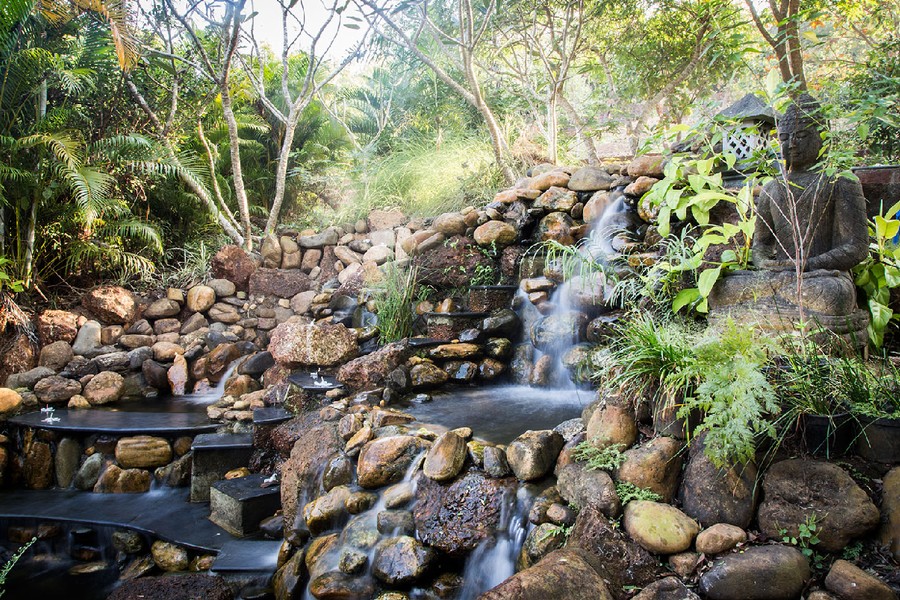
(268, 27)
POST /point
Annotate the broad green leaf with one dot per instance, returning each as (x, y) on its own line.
(811, 36)
(729, 256)
(707, 280)
(665, 214)
(685, 298)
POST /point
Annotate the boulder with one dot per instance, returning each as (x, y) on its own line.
(28, 379)
(533, 454)
(426, 375)
(711, 495)
(115, 480)
(797, 489)
(169, 557)
(270, 250)
(143, 452)
(10, 402)
(325, 511)
(89, 472)
(495, 233)
(641, 186)
(166, 351)
(556, 226)
(224, 313)
(557, 199)
(548, 179)
(582, 487)
(111, 304)
(540, 541)
(449, 224)
(56, 355)
(401, 560)
(385, 460)
(279, 282)
(569, 574)
(329, 237)
(369, 371)
(590, 179)
(295, 343)
(611, 425)
(456, 517)
(310, 442)
(178, 375)
(222, 287)
(655, 466)
(380, 220)
(234, 264)
(648, 165)
(720, 538)
(37, 464)
(890, 510)
(623, 563)
(162, 308)
(659, 528)
(68, 453)
(88, 338)
(446, 457)
(850, 582)
(379, 255)
(596, 206)
(56, 389)
(104, 388)
(200, 298)
(668, 588)
(56, 325)
(757, 573)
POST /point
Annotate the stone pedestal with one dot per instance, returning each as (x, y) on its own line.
(214, 455)
(238, 505)
(824, 305)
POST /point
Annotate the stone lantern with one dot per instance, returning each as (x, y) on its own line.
(750, 123)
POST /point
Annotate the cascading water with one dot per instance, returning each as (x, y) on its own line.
(495, 560)
(566, 313)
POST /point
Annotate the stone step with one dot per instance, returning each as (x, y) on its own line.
(247, 556)
(238, 505)
(271, 415)
(214, 455)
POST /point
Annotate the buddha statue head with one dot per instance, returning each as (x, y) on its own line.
(800, 133)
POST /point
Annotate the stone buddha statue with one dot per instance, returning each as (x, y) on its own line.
(810, 231)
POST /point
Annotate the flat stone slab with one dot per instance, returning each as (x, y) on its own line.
(247, 556)
(271, 415)
(118, 422)
(164, 513)
(222, 441)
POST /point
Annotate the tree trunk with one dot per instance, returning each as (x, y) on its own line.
(281, 171)
(553, 127)
(237, 173)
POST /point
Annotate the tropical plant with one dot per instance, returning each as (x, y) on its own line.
(692, 189)
(879, 273)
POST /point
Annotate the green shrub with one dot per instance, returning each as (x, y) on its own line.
(628, 492)
(608, 459)
(393, 305)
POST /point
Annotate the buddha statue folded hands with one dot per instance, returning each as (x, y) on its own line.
(809, 220)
